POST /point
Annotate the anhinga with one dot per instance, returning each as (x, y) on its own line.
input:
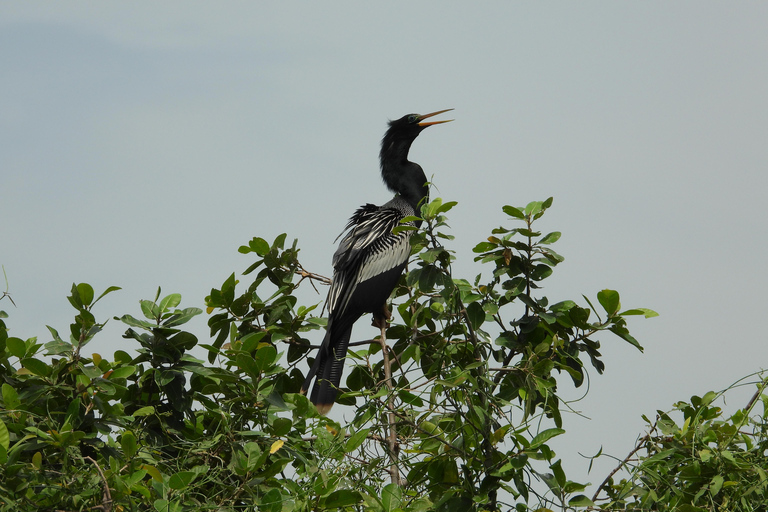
(370, 258)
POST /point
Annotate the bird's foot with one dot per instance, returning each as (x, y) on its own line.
(381, 318)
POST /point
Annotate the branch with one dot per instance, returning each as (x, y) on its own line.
(312, 277)
(757, 394)
(615, 470)
(391, 418)
(106, 499)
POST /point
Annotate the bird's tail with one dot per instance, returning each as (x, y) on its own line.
(328, 366)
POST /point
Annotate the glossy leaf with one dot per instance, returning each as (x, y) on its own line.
(609, 299)
(342, 498)
(544, 436)
(181, 479)
(513, 212)
(5, 439)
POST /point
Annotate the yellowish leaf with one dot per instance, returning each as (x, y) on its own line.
(276, 446)
(153, 472)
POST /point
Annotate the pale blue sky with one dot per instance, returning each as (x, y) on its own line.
(141, 144)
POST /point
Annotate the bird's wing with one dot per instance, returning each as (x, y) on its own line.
(368, 249)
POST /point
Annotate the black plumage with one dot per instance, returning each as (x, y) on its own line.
(370, 258)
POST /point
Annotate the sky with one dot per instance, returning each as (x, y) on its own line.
(142, 143)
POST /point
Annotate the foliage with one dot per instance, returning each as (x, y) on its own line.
(453, 412)
(707, 463)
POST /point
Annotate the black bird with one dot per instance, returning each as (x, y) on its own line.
(370, 258)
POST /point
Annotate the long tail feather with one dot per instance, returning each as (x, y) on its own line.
(330, 370)
(320, 359)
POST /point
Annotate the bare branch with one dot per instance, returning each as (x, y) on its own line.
(106, 500)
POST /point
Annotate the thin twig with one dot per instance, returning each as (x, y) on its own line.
(312, 277)
(757, 394)
(6, 293)
(623, 463)
(106, 499)
(391, 418)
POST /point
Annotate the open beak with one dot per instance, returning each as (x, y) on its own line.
(425, 116)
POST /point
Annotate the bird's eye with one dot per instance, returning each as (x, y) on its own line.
(413, 118)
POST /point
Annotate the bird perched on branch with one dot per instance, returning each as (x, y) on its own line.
(370, 258)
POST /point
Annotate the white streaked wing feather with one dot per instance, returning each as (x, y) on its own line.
(391, 256)
(368, 249)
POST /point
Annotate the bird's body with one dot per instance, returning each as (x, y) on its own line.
(370, 257)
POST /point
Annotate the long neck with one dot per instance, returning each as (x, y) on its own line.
(401, 175)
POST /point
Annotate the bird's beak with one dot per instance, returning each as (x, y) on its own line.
(425, 116)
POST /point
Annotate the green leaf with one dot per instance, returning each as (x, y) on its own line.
(265, 357)
(128, 443)
(609, 299)
(259, 246)
(85, 291)
(356, 439)
(431, 255)
(484, 247)
(5, 438)
(281, 426)
(446, 206)
(279, 242)
(170, 301)
(73, 411)
(513, 212)
(562, 306)
(391, 497)
(450, 472)
(135, 322)
(92, 372)
(163, 505)
(402, 229)
(342, 498)
(182, 317)
(74, 299)
(550, 238)
(16, 347)
(122, 372)
(10, 398)
(144, 411)
(121, 356)
(57, 347)
(476, 315)
(544, 436)
(250, 341)
(533, 207)
(647, 313)
(557, 469)
(409, 398)
(181, 479)
(272, 501)
(623, 333)
(716, 484)
(150, 309)
(36, 366)
(108, 290)
(580, 501)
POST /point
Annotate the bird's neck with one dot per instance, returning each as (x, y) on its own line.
(402, 176)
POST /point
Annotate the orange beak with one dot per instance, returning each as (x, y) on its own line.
(425, 116)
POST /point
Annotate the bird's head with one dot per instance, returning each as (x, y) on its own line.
(400, 175)
(402, 132)
(409, 126)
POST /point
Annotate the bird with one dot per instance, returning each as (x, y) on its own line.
(370, 258)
